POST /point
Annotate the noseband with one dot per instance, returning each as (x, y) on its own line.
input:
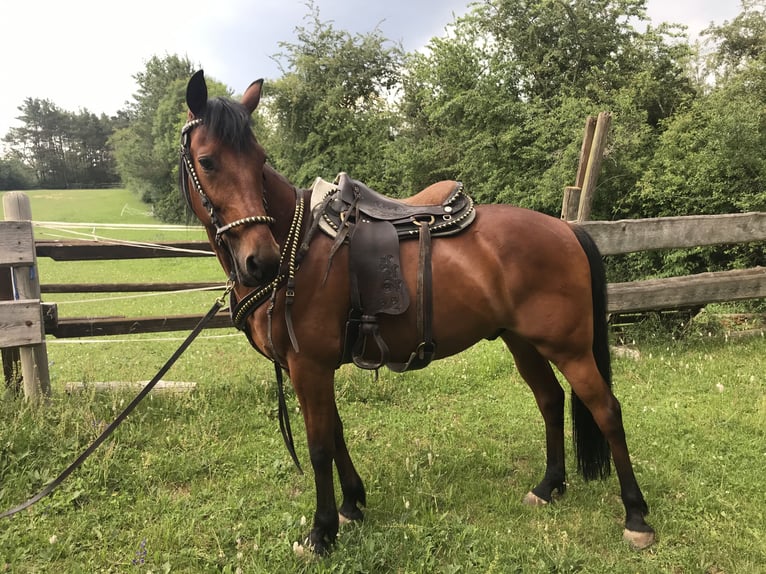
(188, 171)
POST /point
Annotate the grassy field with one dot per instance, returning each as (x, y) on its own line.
(200, 481)
(102, 207)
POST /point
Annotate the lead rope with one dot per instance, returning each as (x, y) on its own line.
(220, 302)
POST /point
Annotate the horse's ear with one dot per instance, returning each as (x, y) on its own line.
(196, 94)
(252, 95)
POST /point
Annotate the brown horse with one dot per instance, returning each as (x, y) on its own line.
(533, 280)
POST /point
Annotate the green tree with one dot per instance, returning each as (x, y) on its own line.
(331, 111)
(147, 148)
(501, 101)
(39, 141)
(710, 158)
(90, 157)
(64, 149)
(460, 121)
(738, 42)
(15, 175)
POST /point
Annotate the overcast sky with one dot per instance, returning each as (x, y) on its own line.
(84, 53)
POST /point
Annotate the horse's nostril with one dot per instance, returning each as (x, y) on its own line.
(260, 270)
(253, 268)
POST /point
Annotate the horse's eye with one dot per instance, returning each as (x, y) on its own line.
(206, 163)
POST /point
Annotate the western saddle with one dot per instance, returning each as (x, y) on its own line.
(372, 225)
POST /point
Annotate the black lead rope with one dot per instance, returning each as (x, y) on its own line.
(123, 415)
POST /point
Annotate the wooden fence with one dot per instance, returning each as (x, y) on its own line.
(612, 237)
(629, 236)
(22, 338)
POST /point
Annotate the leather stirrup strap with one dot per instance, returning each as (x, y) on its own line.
(424, 354)
(425, 295)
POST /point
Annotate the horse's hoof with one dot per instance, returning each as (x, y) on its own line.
(639, 540)
(531, 499)
(309, 550)
(303, 550)
(349, 513)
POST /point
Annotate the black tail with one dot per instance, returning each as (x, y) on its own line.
(591, 448)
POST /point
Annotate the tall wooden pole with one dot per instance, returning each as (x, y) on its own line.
(571, 203)
(11, 357)
(587, 144)
(594, 166)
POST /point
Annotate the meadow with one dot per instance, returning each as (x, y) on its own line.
(199, 481)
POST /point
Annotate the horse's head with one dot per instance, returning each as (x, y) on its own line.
(222, 181)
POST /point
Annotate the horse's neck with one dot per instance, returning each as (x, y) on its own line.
(280, 195)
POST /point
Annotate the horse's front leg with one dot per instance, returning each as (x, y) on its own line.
(350, 482)
(314, 387)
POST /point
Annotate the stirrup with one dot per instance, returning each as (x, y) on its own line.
(369, 328)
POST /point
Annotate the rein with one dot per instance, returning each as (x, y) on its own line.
(219, 303)
(250, 302)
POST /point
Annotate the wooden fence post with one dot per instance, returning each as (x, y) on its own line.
(571, 204)
(34, 358)
(594, 165)
(587, 144)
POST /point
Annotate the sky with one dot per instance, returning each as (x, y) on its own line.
(83, 54)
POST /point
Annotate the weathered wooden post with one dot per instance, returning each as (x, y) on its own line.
(571, 204)
(26, 310)
(593, 166)
(11, 357)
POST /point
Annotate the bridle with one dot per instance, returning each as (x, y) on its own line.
(244, 307)
(290, 256)
(188, 172)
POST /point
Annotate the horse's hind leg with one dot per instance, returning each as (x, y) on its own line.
(538, 374)
(350, 483)
(589, 386)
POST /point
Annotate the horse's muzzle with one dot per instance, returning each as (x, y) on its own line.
(258, 271)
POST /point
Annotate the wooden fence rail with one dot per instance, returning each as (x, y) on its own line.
(689, 291)
(631, 235)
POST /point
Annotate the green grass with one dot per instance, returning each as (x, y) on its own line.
(116, 206)
(200, 481)
(89, 206)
